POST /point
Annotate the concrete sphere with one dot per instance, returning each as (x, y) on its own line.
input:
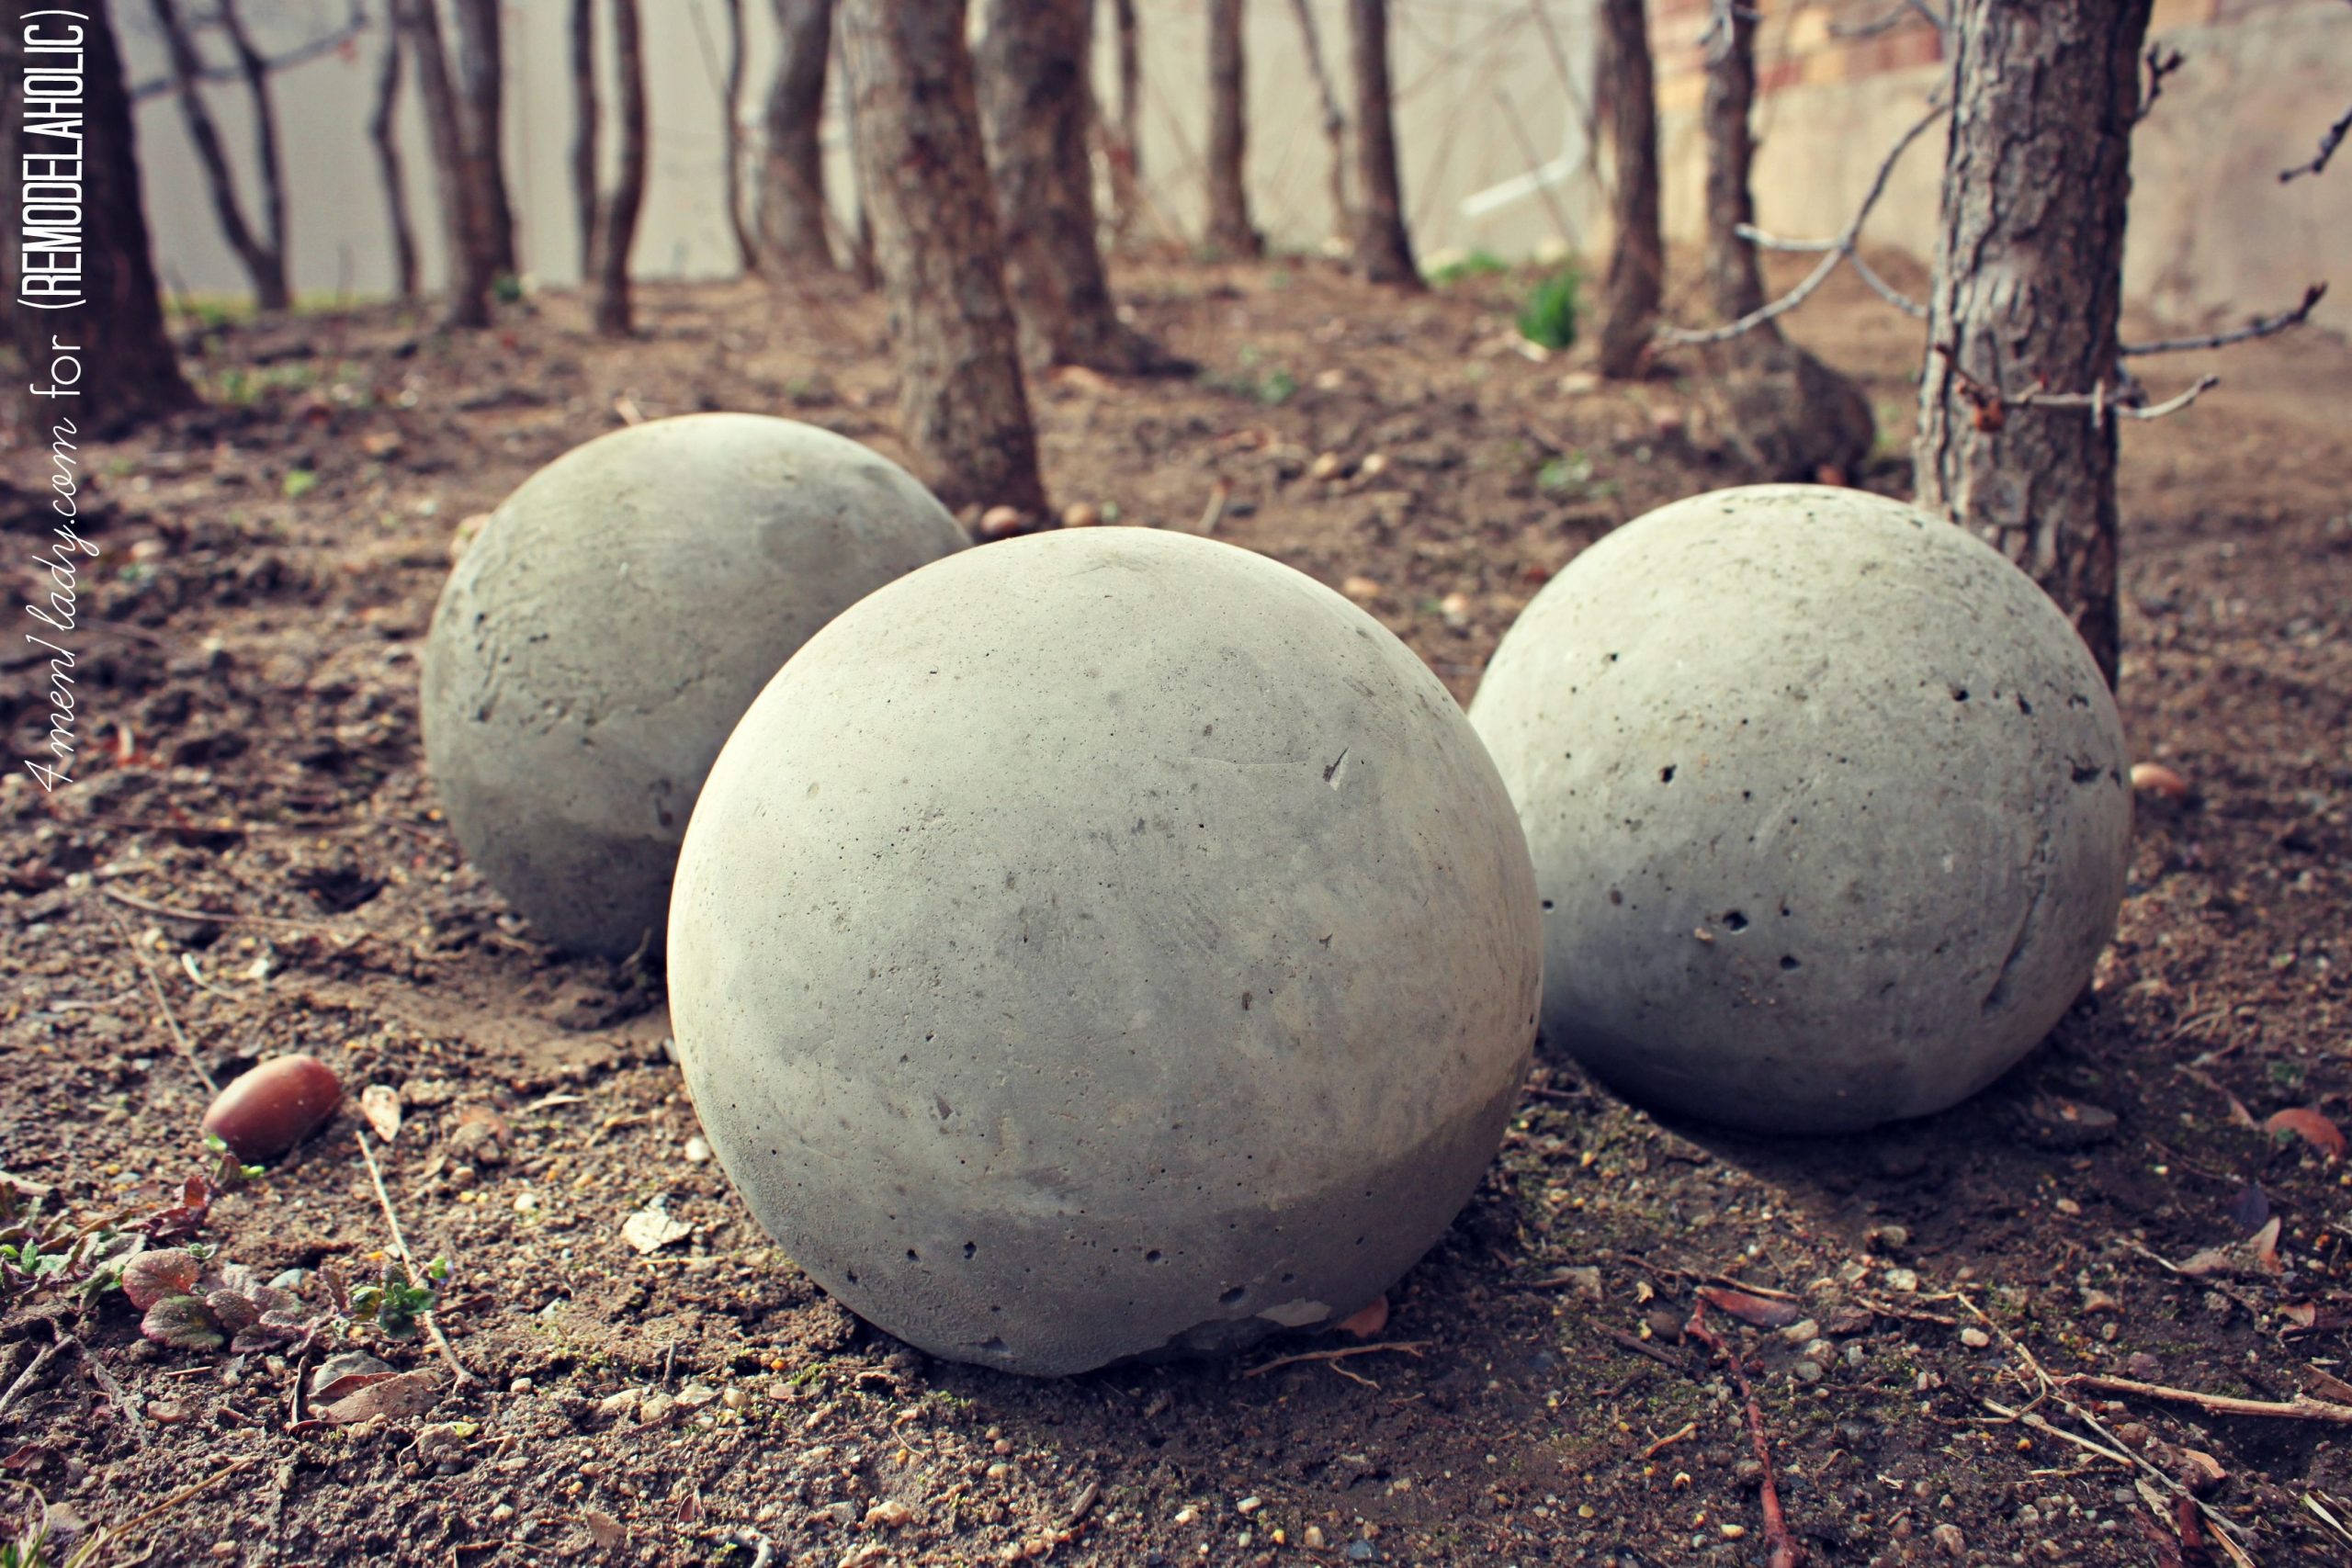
(1099, 944)
(615, 618)
(1828, 804)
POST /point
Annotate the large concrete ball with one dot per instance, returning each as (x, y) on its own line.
(615, 618)
(1827, 802)
(1101, 944)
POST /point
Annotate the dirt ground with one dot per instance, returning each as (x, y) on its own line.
(253, 841)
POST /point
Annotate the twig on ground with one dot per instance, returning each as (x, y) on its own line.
(2261, 326)
(32, 1371)
(171, 1019)
(1785, 1553)
(1832, 253)
(209, 917)
(2330, 139)
(762, 1550)
(1687, 1429)
(1412, 1347)
(2303, 1407)
(111, 1386)
(408, 1259)
(1214, 513)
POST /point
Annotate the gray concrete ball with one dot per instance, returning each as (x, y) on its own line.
(1103, 943)
(615, 618)
(1827, 802)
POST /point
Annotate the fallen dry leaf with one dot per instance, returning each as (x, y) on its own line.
(393, 1398)
(1758, 1312)
(1368, 1322)
(380, 1103)
(2312, 1127)
(607, 1529)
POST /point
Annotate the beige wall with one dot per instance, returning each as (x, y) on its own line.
(2214, 235)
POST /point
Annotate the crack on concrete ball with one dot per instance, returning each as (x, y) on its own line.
(1230, 982)
(1937, 807)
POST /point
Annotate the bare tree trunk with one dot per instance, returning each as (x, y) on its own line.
(1629, 295)
(255, 69)
(584, 112)
(1335, 121)
(1230, 232)
(747, 250)
(617, 233)
(383, 132)
(2028, 284)
(264, 258)
(962, 409)
(470, 280)
(1384, 252)
(1033, 105)
(100, 305)
(482, 73)
(1735, 283)
(792, 170)
(1124, 145)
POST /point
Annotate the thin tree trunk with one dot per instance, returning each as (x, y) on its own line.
(2028, 284)
(584, 112)
(747, 250)
(1384, 252)
(470, 281)
(1335, 121)
(481, 73)
(1630, 293)
(100, 304)
(264, 262)
(617, 234)
(1230, 232)
(254, 68)
(1034, 111)
(792, 169)
(962, 409)
(1735, 283)
(383, 132)
(1125, 144)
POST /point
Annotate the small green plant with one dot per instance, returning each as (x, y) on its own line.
(1568, 472)
(506, 288)
(398, 1302)
(1549, 317)
(298, 482)
(1477, 263)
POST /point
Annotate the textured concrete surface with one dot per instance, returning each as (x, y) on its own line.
(617, 614)
(1827, 804)
(1102, 942)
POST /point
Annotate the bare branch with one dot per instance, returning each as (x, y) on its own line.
(1832, 253)
(2162, 62)
(1721, 14)
(1888, 22)
(2101, 402)
(2328, 143)
(2125, 400)
(2261, 326)
(1885, 290)
(332, 42)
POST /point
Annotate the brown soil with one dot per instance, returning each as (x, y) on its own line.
(249, 648)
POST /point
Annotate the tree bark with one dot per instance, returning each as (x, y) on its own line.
(747, 250)
(262, 256)
(1230, 232)
(1033, 112)
(110, 316)
(1735, 282)
(793, 226)
(585, 175)
(1335, 121)
(470, 280)
(1630, 293)
(1384, 252)
(617, 233)
(2028, 286)
(962, 409)
(482, 73)
(384, 134)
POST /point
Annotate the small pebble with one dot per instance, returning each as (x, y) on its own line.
(1249, 1504)
(1187, 1514)
(999, 1471)
(1808, 1371)
(521, 1386)
(1948, 1540)
(501, 1514)
(697, 1150)
(1311, 1538)
(1903, 1279)
(1975, 1339)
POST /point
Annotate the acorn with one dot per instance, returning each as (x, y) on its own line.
(273, 1106)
